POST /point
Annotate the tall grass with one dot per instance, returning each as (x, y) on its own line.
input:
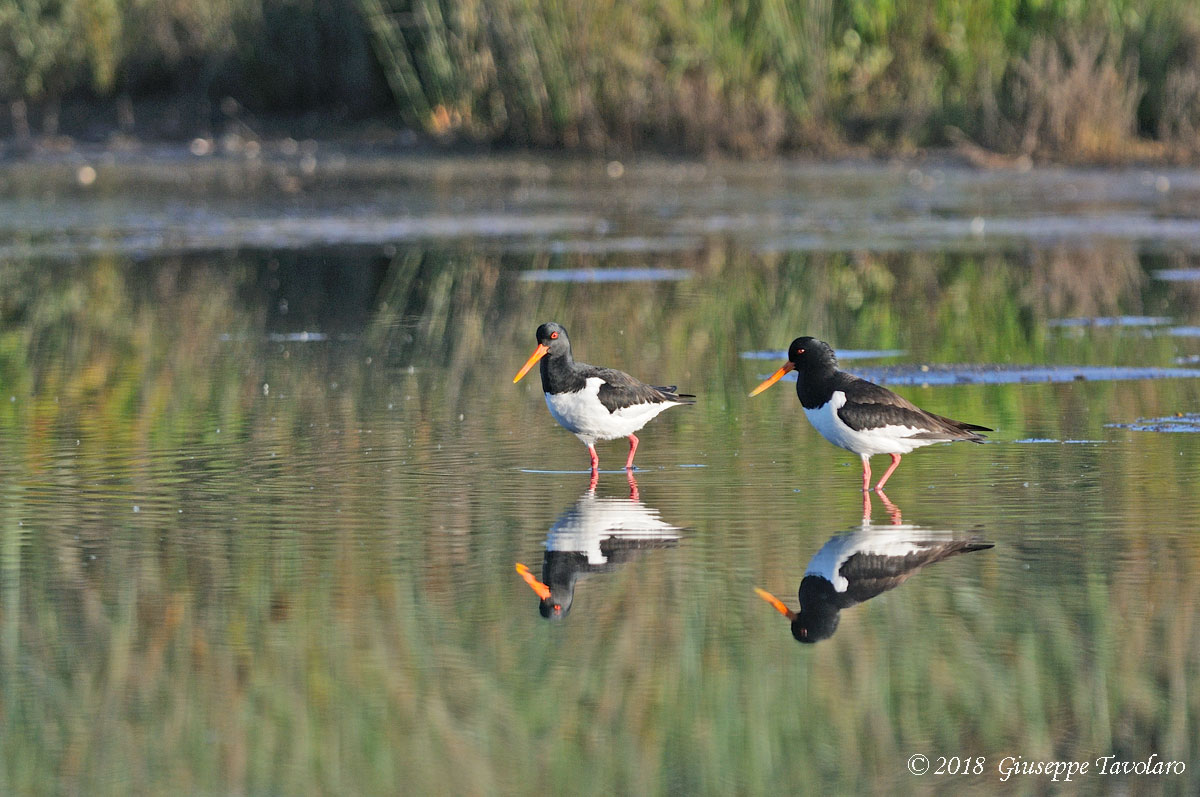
(1051, 80)
(1064, 80)
(609, 74)
(274, 56)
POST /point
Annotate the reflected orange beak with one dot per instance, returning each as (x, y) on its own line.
(541, 589)
(775, 377)
(538, 354)
(778, 604)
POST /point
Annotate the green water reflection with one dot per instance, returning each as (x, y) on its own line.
(236, 559)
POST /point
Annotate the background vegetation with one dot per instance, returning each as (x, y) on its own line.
(1028, 78)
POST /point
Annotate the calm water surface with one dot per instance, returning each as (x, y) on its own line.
(266, 479)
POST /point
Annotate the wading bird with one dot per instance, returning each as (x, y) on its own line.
(861, 416)
(595, 403)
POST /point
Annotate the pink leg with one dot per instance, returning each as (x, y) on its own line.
(866, 506)
(866, 475)
(592, 482)
(595, 459)
(888, 472)
(633, 488)
(633, 441)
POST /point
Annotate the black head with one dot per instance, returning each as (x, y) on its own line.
(811, 353)
(556, 607)
(554, 337)
(552, 341)
(814, 624)
(816, 620)
(805, 355)
(560, 571)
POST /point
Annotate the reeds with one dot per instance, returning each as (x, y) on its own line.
(1067, 81)
(763, 76)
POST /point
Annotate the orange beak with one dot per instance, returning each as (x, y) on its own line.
(538, 354)
(541, 589)
(775, 377)
(778, 604)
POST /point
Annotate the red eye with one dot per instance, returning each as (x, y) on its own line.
(553, 335)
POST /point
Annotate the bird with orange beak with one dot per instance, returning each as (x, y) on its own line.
(595, 403)
(861, 416)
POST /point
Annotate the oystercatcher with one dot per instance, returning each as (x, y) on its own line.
(861, 416)
(594, 535)
(595, 403)
(855, 566)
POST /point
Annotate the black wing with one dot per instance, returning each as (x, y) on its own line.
(869, 406)
(869, 574)
(619, 390)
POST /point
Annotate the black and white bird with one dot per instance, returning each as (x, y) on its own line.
(594, 535)
(861, 416)
(858, 565)
(595, 403)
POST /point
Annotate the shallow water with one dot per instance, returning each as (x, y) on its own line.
(265, 492)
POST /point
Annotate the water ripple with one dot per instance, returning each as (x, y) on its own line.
(607, 275)
(928, 375)
(1183, 422)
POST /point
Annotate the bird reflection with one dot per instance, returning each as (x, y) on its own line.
(594, 535)
(862, 562)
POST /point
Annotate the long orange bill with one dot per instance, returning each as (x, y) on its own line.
(538, 354)
(773, 378)
(778, 604)
(541, 589)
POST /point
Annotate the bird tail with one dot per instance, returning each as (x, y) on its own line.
(968, 545)
(977, 544)
(960, 430)
(669, 392)
(974, 427)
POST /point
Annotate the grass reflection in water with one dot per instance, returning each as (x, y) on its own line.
(316, 594)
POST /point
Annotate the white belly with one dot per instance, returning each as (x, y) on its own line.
(582, 413)
(882, 440)
(593, 520)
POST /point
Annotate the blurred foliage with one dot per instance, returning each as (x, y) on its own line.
(281, 56)
(1032, 78)
(599, 75)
